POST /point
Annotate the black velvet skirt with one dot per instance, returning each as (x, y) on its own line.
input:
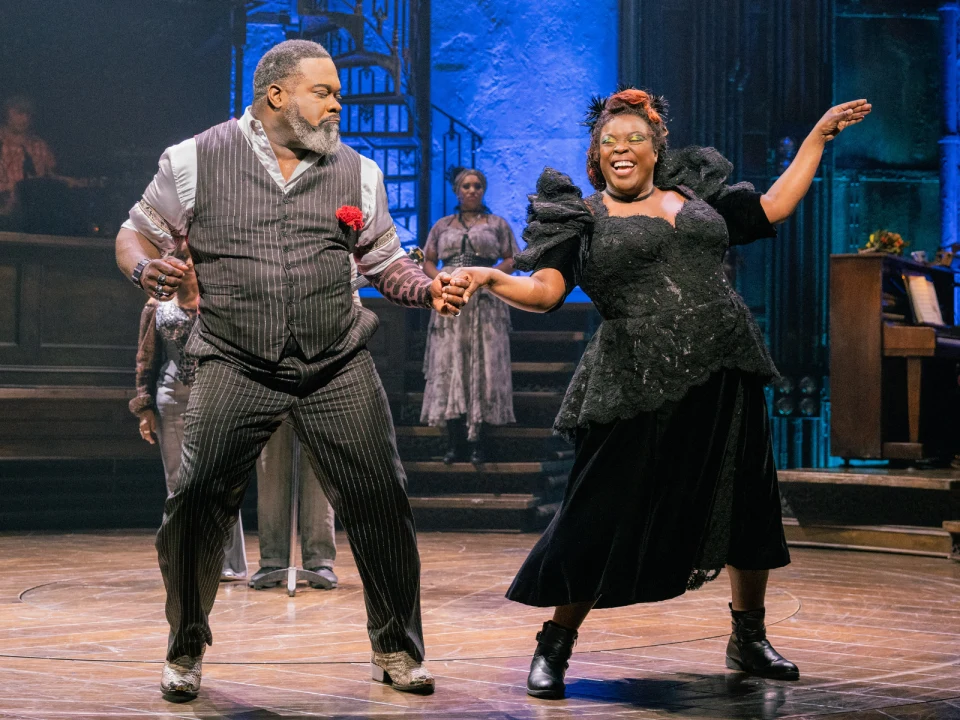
(659, 503)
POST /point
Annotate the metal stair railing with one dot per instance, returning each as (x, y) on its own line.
(368, 40)
(459, 144)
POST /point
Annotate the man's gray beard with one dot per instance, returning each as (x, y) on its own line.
(323, 140)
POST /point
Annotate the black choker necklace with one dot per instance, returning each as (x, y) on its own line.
(638, 198)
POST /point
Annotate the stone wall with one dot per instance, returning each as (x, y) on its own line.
(521, 75)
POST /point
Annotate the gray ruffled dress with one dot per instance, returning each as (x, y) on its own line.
(674, 474)
(467, 361)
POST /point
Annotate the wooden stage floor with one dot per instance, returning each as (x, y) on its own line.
(82, 635)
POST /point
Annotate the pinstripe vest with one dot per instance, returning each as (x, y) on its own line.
(272, 265)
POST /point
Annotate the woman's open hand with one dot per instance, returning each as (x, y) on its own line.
(840, 117)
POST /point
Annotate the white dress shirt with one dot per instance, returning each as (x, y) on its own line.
(166, 209)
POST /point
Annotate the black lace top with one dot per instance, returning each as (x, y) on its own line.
(670, 316)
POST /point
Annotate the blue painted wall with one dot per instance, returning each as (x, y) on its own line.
(521, 75)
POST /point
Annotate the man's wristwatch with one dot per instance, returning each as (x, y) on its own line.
(138, 271)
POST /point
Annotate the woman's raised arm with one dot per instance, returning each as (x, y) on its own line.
(782, 198)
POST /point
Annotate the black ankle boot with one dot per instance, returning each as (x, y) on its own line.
(477, 454)
(749, 650)
(455, 440)
(554, 647)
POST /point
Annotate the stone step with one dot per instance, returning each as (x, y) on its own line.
(360, 58)
(530, 397)
(523, 512)
(942, 480)
(905, 539)
(503, 444)
(316, 22)
(872, 496)
(506, 431)
(436, 467)
(564, 368)
(533, 409)
(434, 478)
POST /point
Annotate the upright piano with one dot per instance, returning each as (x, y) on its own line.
(893, 378)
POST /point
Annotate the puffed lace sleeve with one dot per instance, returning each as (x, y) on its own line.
(558, 228)
(705, 171)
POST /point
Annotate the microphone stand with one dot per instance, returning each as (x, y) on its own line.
(292, 573)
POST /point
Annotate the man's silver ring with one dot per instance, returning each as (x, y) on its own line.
(161, 280)
(159, 293)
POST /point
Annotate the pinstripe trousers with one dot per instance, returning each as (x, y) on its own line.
(341, 414)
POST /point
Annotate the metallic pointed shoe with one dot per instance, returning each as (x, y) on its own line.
(228, 575)
(328, 578)
(550, 661)
(401, 671)
(180, 680)
(749, 650)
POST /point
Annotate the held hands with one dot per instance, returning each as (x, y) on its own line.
(456, 289)
(447, 293)
(148, 425)
(840, 117)
(475, 277)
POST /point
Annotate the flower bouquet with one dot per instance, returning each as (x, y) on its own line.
(884, 241)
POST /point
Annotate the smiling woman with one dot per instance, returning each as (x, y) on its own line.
(673, 478)
(627, 130)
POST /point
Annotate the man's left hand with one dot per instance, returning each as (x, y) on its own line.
(446, 293)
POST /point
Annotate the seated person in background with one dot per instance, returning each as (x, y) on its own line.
(164, 377)
(23, 155)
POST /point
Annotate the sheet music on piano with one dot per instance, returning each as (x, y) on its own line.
(923, 299)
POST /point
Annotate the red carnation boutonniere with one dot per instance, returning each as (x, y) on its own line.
(350, 216)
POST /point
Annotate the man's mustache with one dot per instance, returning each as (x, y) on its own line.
(335, 120)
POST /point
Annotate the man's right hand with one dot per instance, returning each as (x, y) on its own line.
(162, 277)
(148, 425)
(447, 294)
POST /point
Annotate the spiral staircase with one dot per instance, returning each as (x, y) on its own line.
(370, 42)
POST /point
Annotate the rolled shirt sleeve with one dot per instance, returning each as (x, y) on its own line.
(164, 213)
(378, 245)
